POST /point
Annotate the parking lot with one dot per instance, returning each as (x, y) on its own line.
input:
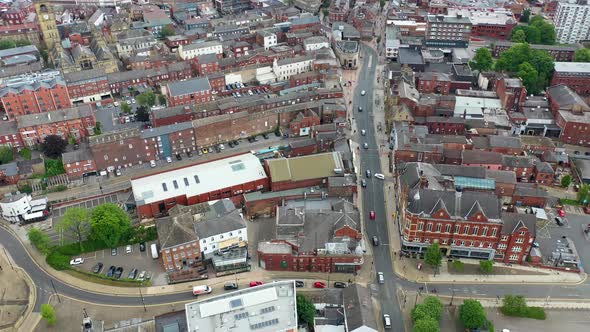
(140, 260)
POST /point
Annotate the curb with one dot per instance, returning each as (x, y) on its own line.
(32, 298)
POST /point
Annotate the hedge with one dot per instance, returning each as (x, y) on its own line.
(528, 312)
(58, 261)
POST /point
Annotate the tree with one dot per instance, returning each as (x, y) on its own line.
(22, 42)
(45, 56)
(147, 98)
(305, 310)
(482, 60)
(126, 108)
(512, 58)
(518, 36)
(109, 224)
(513, 305)
(76, 223)
(39, 239)
(382, 4)
(142, 114)
(529, 76)
(526, 15)
(48, 313)
(426, 325)
(582, 55)
(584, 194)
(486, 266)
(433, 256)
(162, 100)
(566, 180)
(7, 44)
(472, 314)
(53, 146)
(546, 30)
(98, 128)
(533, 35)
(6, 155)
(431, 307)
(168, 31)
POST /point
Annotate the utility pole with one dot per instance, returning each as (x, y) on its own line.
(55, 290)
(142, 302)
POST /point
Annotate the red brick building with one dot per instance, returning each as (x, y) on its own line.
(445, 125)
(30, 94)
(120, 81)
(88, 86)
(522, 166)
(575, 75)
(512, 93)
(544, 173)
(78, 122)
(529, 195)
(572, 115)
(121, 149)
(9, 135)
(206, 64)
(79, 162)
(431, 82)
(171, 115)
(304, 171)
(303, 122)
(194, 91)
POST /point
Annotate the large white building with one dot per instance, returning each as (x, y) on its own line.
(22, 208)
(193, 50)
(286, 68)
(572, 21)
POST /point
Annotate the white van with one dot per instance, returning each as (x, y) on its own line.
(386, 321)
(380, 277)
(154, 250)
(202, 289)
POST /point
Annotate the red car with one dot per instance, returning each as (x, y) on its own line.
(561, 212)
(319, 284)
(372, 215)
(255, 283)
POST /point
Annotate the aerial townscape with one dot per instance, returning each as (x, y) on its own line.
(294, 165)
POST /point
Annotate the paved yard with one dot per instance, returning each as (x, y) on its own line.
(142, 261)
(259, 230)
(557, 320)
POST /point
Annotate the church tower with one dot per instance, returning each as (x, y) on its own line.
(46, 19)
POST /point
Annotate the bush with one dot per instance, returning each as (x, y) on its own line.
(25, 153)
(6, 154)
(25, 188)
(486, 267)
(73, 249)
(58, 261)
(566, 180)
(54, 167)
(516, 306)
(58, 188)
(39, 239)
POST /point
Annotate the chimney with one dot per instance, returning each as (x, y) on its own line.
(458, 194)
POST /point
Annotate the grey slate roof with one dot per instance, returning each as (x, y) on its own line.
(505, 142)
(358, 307)
(566, 98)
(10, 169)
(514, 221)
(219, 225)
(83, 153)
(424, 200)
(191, 86)
(481, 157)
(165, 130)
(54, 117)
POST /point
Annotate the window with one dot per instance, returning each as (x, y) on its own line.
(197, 179)
(475, 230)
(447, 228)
(504, 237)
(429, 227)
(520, 240)
(164, 186)
(438, 228)
(457, 229)
(517, 249)
(186, 182)
(513, 257)
(420, 226)
(494, 232)
(465, 229)
(462, 243)
(502, 246)
(521, 233)
(484, 231)
(175, 184)
(453, 242)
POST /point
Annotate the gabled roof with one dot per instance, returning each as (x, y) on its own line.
(440, 205)
(475, 209)
(514, 221)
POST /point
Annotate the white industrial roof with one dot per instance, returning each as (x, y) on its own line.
(572, 67)
(265, 308)
(198, 179)
(475, 106)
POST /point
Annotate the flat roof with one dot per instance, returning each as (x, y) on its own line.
(264, 308)
(321, 165)
(198, 179)
(573, 67)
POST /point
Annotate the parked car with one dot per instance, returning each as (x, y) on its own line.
(265, 136)
(178, 157)
(111, 271)
(205, 150)
(339, 284)
(365, 145)
(116, 104)
(380, 277)
(368, 173)
(141, 276)
(114, 252)
(380, 176)
(299, 283)
(230, 286)
(77, 261)
(128, 249)
(319, 284)
(152, 163)
(117, 172)
(168, 159)
(255, 283)
(210, 149)
(142, 246)
(97, 268)
(372, 215)
(360, 109)
(363, 93)
(132, 274)
(375, 240)
(118, 272)
(363, 132)
(231, 144)
(558, 221)
(364, 183)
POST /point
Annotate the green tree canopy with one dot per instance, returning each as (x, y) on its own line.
(53, 146)
(162, 100)
(518, 36)
(482, 60)
(7, 44)
(472, 314)
(305, 309)
(48, 313)
(528, 74)
(514, 305)
(486, 266)
(566, 180)
(582, 55)
(6, 154)
(526, 15)
(538, 31)
(75, 223)
(39, 239)
(426, 325)
(109, 224)
(433, 256)
(431, 307)
(147, 98)
(168, 31)
(583, 195)
(125, 108)
(512, 59)
(547, 30)
(142, 114)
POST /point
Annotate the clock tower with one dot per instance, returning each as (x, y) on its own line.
(47, 24)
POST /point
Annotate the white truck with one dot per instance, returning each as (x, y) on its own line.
(154, 250)
(201, 289)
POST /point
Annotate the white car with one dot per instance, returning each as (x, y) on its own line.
(380, 277)
(152, 163)
(133, 100)
(77, 261)
(116, 104)
(363, 93)
(128, 249)
(128, 102)
(363, 132)
(168, 159)
(380, 176)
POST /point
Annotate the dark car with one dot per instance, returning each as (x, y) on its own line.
(97, 268)
(558, 221)
(236, 142)
(360, 109)
(277, 133)
(111, 271)
(265, 136)
(250, 139)
(231, 144)
(141, 246)
(178, 157)
(576, 152)
(189, 154)
(118, 272)
(132, 274)
(230, 286)
(339, 284)
(299, 283)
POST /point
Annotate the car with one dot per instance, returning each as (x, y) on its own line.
(319, 284)
(152, 163)
(363, 183)
(250, 139)
(142, 246)
(77, 261)
(114, 252)
(128, 249)
(97, 267)
(230, 286)
(132, 274)
(116, 104)
(558, 221)
(168, 159)
(265, 136)
(380, 277)
(255, 138)
(199, 152)
(236, 142)
(128, 102)
(576, 152)
(141, 276)
(118, 272)
(386, 321)
(205, 150)
(363, 93)
(210, 149)
(360, 109)
(255, 283)
(365, 146)
(375, 240)
(380, 176)
(368, 173)
(231, 144)
(587, 153)
(133, 100)
(250, 93)
(221, 147)
(118, 172)
(178, 156)
(111, 271)
(372, 215)
(189, 154)
(148, 275)
(299, 283)
(561, 212)
(339, 284)
(363, 132)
